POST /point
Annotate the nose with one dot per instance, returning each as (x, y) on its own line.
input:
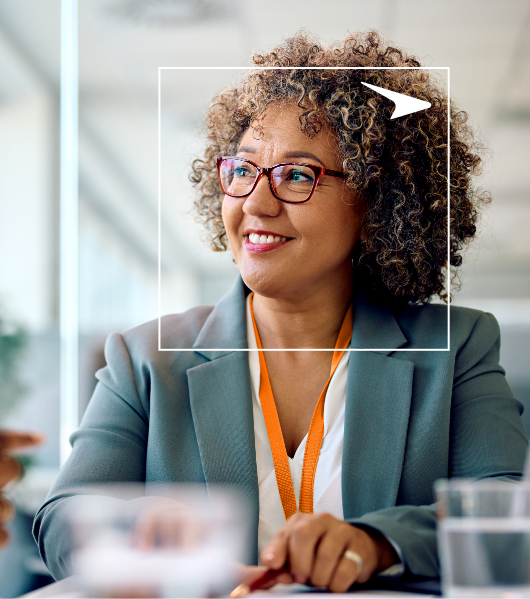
(261, 202)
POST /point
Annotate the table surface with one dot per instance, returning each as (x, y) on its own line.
(67, 589)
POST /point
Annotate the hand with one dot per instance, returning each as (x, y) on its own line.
(248, 574)
(314, 546)
(10, 470)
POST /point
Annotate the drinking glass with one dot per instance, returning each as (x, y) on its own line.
(484, 538)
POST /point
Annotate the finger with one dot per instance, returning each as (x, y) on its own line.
(4, 537)
(253, 573)
(248, 574)
(12, 440)
(328, 554)
(346, 573)
(284, 578)
(9, 469)
(7, 511)
(303, 540)
(274, 555)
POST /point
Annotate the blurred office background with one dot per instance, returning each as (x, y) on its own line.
(121, 45)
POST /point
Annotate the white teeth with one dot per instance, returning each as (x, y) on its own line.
(262, 239)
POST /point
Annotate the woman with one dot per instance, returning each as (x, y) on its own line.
(336, 217)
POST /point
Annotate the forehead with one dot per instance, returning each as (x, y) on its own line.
(279, 126)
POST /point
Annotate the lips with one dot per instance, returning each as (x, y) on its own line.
(259, 242)
(256, 238)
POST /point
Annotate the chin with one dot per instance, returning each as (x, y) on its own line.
(267, 284)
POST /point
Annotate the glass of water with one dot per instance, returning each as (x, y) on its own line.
(484, 538)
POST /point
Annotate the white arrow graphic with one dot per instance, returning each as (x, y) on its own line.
(404, 104)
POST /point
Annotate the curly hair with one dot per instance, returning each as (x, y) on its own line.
(398, 167)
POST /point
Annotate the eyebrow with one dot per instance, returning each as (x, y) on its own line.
(294, 154)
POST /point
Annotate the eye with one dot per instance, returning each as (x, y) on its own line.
(300, 176)
(241, 171)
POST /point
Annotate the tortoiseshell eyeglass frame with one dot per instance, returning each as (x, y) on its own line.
(318, 171)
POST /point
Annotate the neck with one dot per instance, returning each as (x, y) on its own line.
(311, 322)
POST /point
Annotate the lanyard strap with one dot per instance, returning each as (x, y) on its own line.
(316, 428)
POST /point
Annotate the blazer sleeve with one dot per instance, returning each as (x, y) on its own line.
(110, 446)
(487, 439)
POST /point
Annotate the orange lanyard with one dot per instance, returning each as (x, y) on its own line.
(316, 428)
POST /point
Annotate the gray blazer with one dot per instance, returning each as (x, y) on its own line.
(411, 418)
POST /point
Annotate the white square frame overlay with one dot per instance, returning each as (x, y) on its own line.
(160, 69)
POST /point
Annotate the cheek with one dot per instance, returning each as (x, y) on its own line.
(232, 214)
(229, 218)
(339, 228)
(349, 220)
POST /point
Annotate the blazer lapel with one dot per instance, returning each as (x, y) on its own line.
(377, 411)
(377, 407)
(221, 404)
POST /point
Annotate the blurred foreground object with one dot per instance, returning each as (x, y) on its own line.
(484, 538)
(154, 541)
(10, 469)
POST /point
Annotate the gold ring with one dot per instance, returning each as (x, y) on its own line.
(355, 558)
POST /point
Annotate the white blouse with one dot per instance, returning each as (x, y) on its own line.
(327, 491)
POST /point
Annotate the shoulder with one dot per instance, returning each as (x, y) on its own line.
(141, 344)
(427, 326)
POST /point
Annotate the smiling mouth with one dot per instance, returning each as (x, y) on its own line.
(257, 239)
(257, 243)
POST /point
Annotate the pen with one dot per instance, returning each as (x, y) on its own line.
(244, 589)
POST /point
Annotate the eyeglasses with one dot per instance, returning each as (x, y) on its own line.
(290, 182)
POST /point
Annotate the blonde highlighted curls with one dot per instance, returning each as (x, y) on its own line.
(398, 167)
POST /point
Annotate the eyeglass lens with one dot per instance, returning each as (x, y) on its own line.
(290, 182)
